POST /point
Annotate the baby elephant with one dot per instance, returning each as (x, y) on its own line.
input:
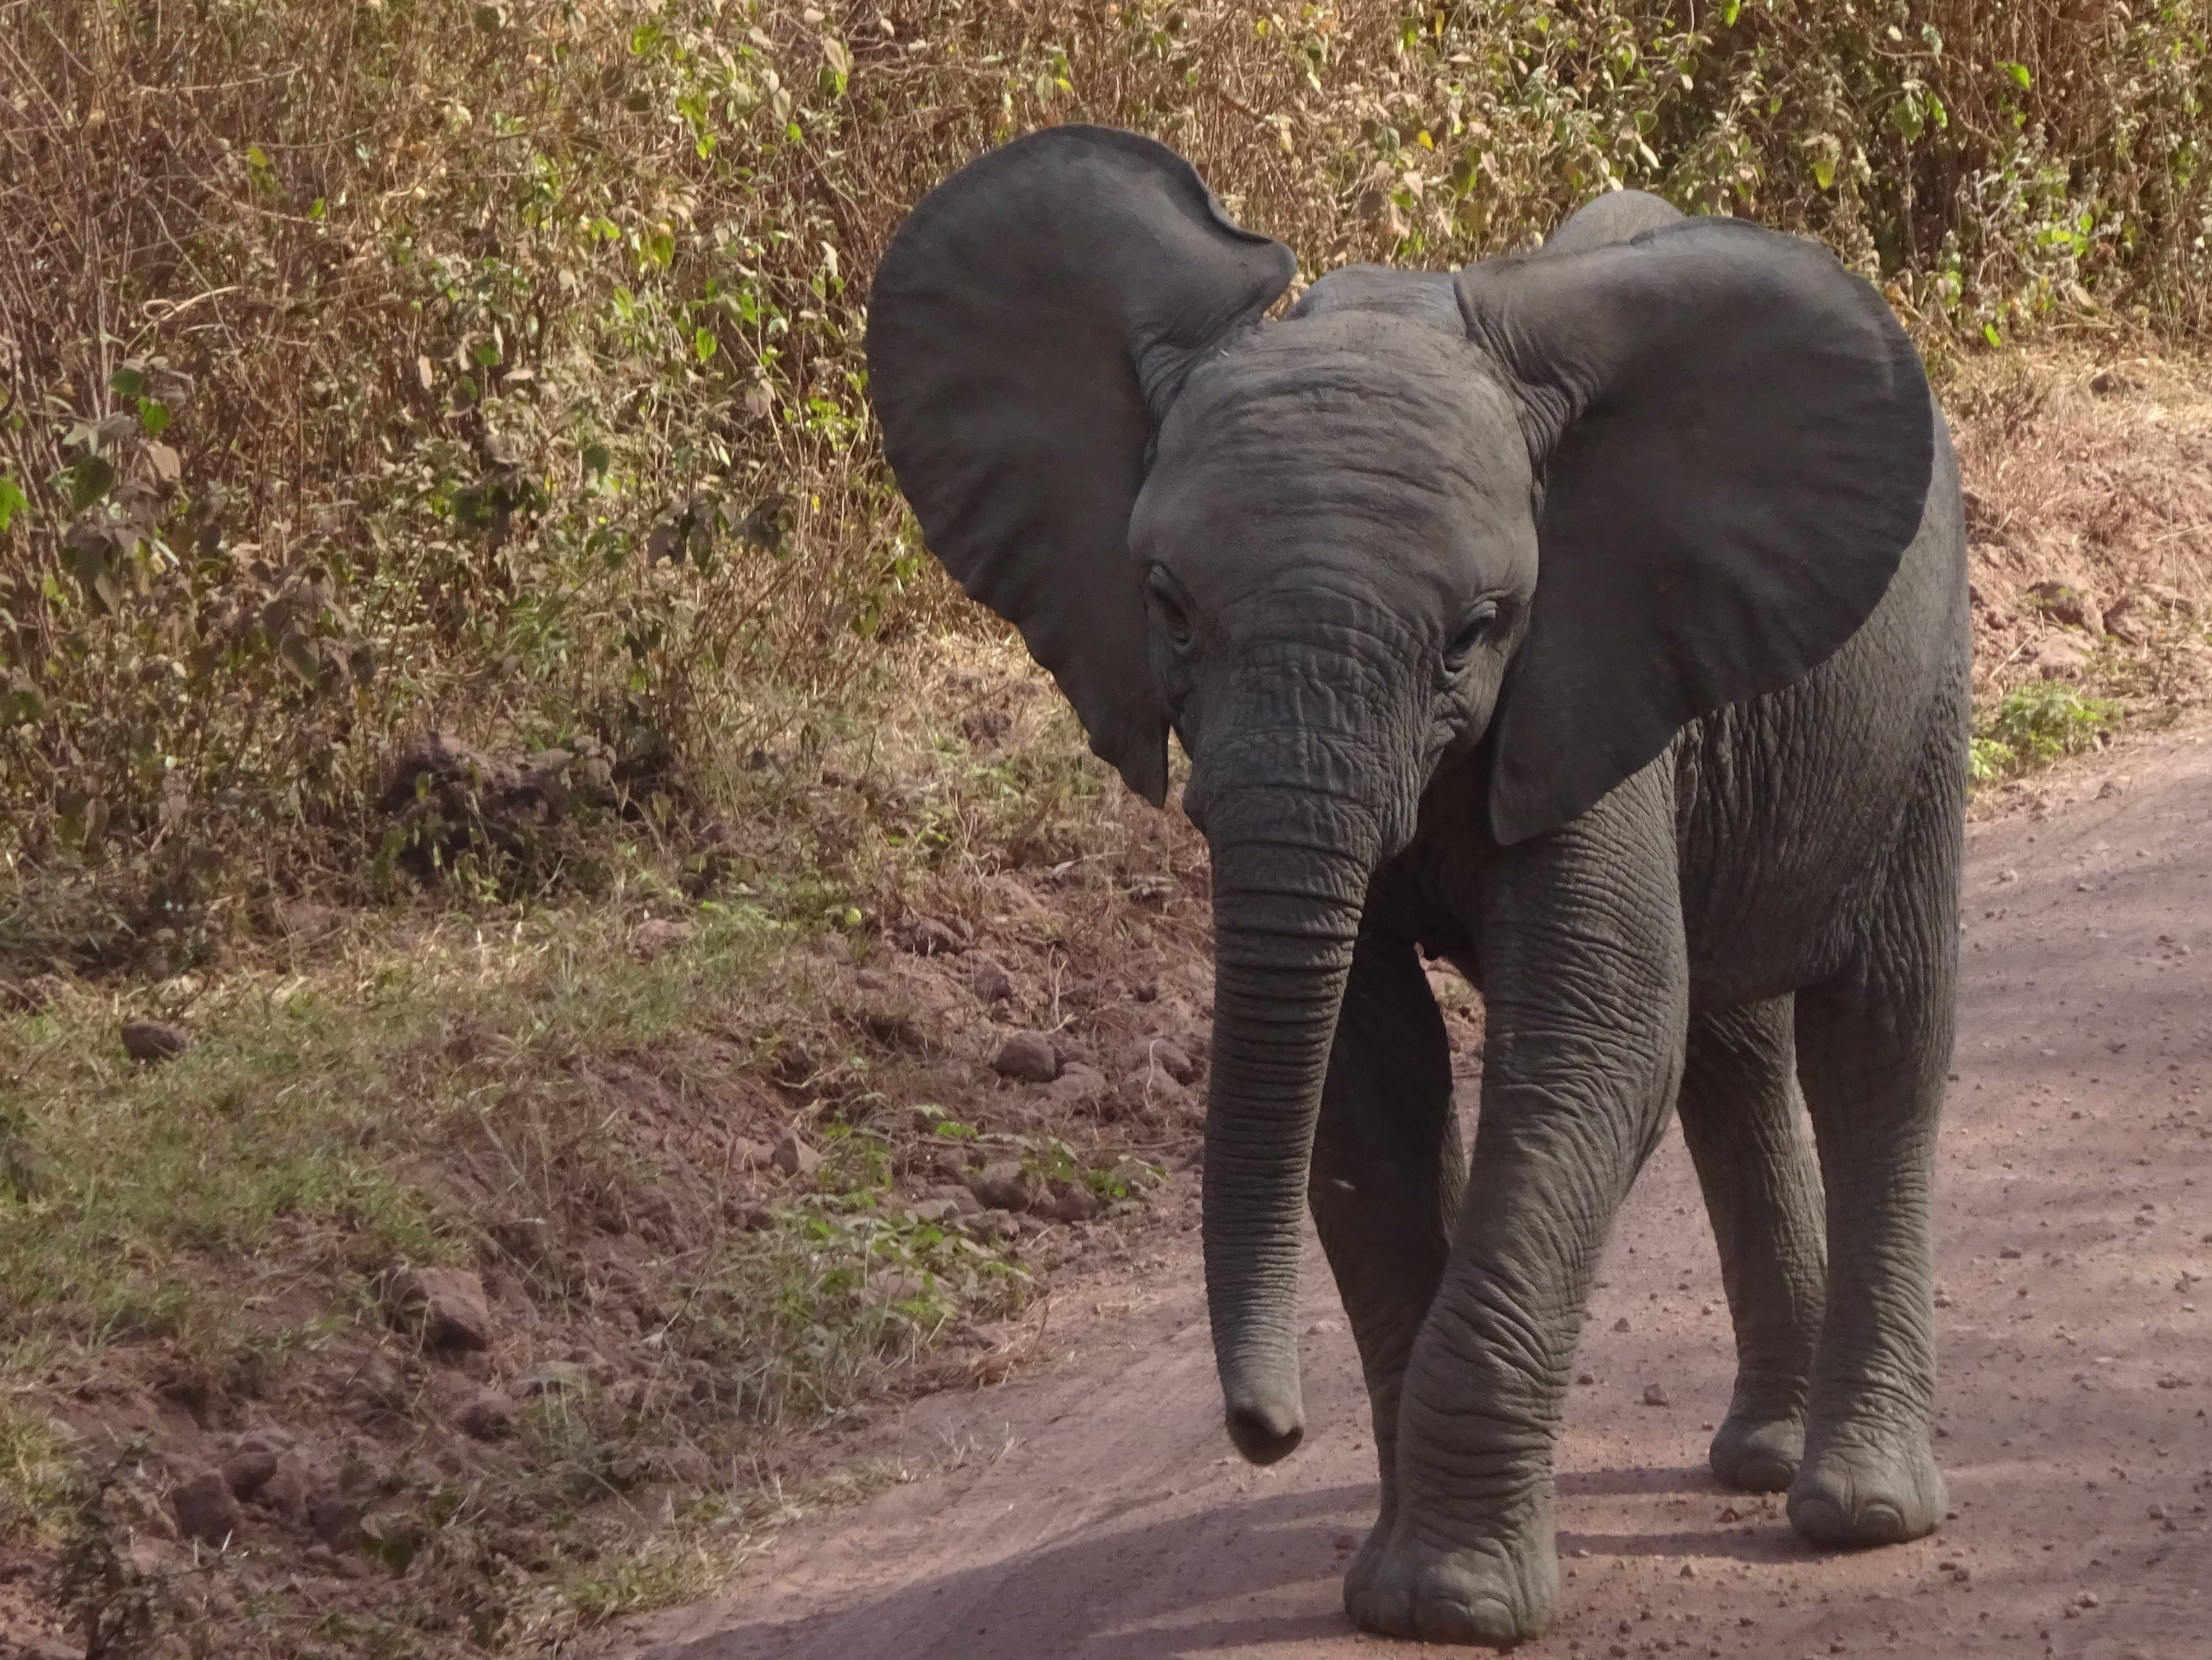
(1595, 618)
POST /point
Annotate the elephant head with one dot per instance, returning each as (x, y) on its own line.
(1535, 516)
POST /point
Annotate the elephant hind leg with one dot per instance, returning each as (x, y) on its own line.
(1743, 1123)
(1873, 1046)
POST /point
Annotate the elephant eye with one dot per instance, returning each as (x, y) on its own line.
(1472, 633)
(1168, 606)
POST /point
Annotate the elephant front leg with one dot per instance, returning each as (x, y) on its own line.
(1585, 983)
(1742, 1121)
(1385, 1181)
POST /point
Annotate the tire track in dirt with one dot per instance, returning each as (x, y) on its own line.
(1096, 1511)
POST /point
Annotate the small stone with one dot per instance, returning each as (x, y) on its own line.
(247, 1471)
(749, 1155)
(1586, 1377)
(650, 938)
(206, 1509)
(1689, 1570)
(1622, 1324)
(1654, 1395)
(374, 1386)
(335, 1518)
(2129, 620)
(1078, 1085)
(484, 1415)
(958, 1200)
(150, 1043)
(1150, 1085)
(989, 980)
(2061, 657)
(1074, 1202)
(1004, 1186)
(2067, 603)
(794, 1157)
(446, 1307)
(2010, 1254)
(1168, 1057)
(2087, 1599)
(1027, 1057)
(930, 936)
(294, 1488)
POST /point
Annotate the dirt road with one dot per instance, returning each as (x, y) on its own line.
(1095, 1511)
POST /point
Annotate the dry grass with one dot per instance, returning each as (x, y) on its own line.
(2092, 470)
(496, 366)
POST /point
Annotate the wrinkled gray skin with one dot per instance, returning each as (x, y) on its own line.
(1575, 618)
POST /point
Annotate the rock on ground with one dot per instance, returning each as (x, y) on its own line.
(446, 1306)
(149, 1042)
(1027, 1057)
(207, 1510)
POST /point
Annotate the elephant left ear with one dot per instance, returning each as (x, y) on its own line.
(1733, 441)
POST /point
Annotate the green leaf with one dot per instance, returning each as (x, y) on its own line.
(12, 500)
(2019, 74)
(704, 345)
(596, 461)
(90, 480)
(153, 416)
(1989, 333)
(1824, 171)
(300, 654)
(1728, 13)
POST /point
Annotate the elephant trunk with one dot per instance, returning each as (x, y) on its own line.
(1291, 869)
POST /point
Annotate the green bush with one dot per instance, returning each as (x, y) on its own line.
(496, 364)
(2034, 725)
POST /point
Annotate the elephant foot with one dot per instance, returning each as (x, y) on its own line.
(1369, 1554)
(1499, 1593)
(1758, 1449)
(1868, 1493)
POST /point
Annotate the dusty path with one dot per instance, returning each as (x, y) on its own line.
(1095, 1511)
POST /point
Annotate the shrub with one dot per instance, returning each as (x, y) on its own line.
(2034, 725)
(494, 364)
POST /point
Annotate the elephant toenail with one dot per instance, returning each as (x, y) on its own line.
(1881, 1524)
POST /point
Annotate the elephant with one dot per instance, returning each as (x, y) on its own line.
(1594, 619)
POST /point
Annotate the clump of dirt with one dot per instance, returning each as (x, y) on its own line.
(444, 802)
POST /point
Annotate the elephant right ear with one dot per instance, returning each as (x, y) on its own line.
(1027, 329)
